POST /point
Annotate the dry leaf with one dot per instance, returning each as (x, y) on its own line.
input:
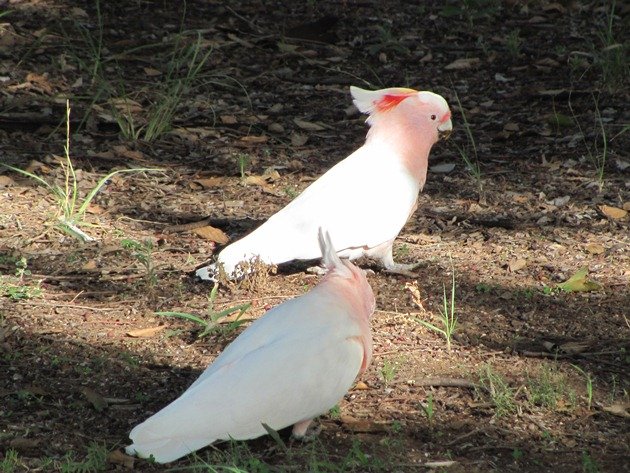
(511, 127)
(228, 319)
(271, 174)
(517, 264)
(107, 155)
(8, 37)
(554, 7)
(95, 209)
(41, 81)
(36, 390)
(125, 106)
(298, 139)
(462, 63)
(208, 182)
(240, 41)
(620, 410)
(573, 348)
(255, 139)
(255, 181)
(77, 83)
(414, 290)
(275, 128)
(95, 398)
(89, 265)
(286, 48)
(145, 332)
(595, 248)
(194, 134)
(308, 126)
(119, 458)
(78, 12)
(362, 425)
(361, 386)
(213, 234)
(579, 282)
(23, 444)
(548, 62)
(440, 464)
(613, 212)
(443, 168)
(128, 153)
(228, 119)
(152, 72)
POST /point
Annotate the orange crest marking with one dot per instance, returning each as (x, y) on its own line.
(390, 100)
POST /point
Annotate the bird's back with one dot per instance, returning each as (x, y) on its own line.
(291, 365)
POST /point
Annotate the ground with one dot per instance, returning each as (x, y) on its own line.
(240, 105)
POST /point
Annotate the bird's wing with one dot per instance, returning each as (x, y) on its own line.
(295, 364)
(363, 201)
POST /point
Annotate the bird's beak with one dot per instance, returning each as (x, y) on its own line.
(445, 129)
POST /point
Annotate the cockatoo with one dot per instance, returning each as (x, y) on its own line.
(289, 366)
(364, 200)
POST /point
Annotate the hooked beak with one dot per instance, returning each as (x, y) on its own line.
(445, 129)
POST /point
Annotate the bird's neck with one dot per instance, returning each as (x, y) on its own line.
(409, 145)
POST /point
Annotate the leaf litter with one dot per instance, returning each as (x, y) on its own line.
(285, 103)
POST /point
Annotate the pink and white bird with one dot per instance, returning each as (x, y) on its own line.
(364, 200)
(289, 366)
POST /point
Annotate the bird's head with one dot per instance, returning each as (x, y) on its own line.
(420, 112)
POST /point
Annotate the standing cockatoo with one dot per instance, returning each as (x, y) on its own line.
(364, 200)
(289, 366)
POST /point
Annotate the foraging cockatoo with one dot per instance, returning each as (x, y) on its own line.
(364, 200)
(289, 366)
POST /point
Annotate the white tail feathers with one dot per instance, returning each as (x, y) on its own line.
(330, 259)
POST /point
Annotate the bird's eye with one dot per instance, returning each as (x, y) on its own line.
(433, 117)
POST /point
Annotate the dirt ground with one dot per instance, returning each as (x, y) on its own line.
(537, 377)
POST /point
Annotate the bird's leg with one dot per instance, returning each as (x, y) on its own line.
(305, 431)
(387, 261)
